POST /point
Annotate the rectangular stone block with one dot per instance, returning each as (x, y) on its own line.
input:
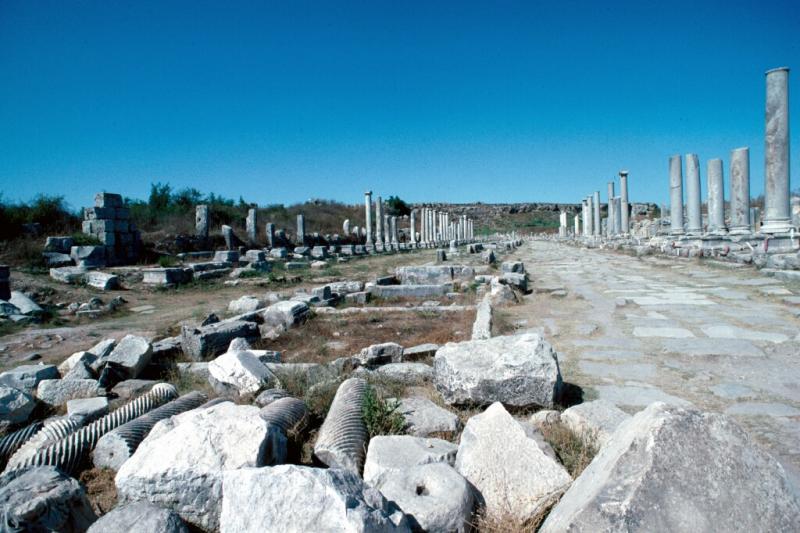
(209, 341)
(166, 276)
(107, 199)
(410, 291)
(98, 213)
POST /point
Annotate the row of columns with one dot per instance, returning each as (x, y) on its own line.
(777, 208)
(589, 223)
(435, 226)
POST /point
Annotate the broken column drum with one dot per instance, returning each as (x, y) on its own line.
(270, 231)
(10, 443)
(52, 431)
(716, 197)
(675, 195)
(70, 453)
(777, 208)
(343, 436)
(117, 446)
(740, 191)
(251, 226)
(623, 194)
(201, 221)
(289, 414)
(694, 217)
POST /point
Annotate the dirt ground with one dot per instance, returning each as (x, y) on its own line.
(155, 312)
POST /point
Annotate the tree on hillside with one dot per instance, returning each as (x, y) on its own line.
(397, 207)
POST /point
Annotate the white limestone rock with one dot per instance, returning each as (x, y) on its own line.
(25, 305)
(519, 370)
(424, 418)
(78, 357)
(42, 498)
(245, 304)
(27, 377)
(15, 406)
(55, 392)
(239, 373)
(291, 498)
(90, 408)
(132, 355)
(398, 452)
(139, 517)
(381, 354)
(407, 373)
(674, 469)
(181, 468)
(286, 314)
(594, 421)
(510, 468)
(434, 497)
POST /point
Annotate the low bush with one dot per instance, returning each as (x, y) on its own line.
(381, 416)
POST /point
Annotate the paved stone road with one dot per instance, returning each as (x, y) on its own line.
(636, 331)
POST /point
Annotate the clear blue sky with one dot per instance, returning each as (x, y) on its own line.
(450, 101)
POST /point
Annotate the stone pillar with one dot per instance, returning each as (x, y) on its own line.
(395, 233)
(270, 231)
(617, 215)
(740, 191)
(675, 195)
(200, 221)
(596, 205)
(301, 230)
(716, 197)
(755, 218)
(623, 194)
(584, 217)
(413, 227)
(589, 216)
(577, 225)
(777, 210)
(610, 225)
(368, 213)
(379, 220)
(251, 226)
(694, 217)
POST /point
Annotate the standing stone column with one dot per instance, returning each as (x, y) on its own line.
(584, 217)
(596, 205)
(387, 229)
(270, 230)
(624, 206)
(617, 215)
(577, 225)
(694, 217)
(589, 216)
(395, 234)
(413, 227)
(368, 213)
(201, 221)
(610, 223)
(379, 220)
(301, 230)
(675, 195)
(740, 191)
(777, 209)
(716, 198)
(251, 226)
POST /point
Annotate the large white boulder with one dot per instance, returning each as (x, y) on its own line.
(434, 496)
(594, 421)
(27, 377)
(55, 392)
(290, 498)
(674, 469)
(245, 304)
(239, 373)
(139, 517)
(15, 406)
(131, 355)
(518, 370)
(399, 452)
(286, 314)
(511, 469)
(180, 466)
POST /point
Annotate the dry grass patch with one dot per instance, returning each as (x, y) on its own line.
(328, 337)
(574, 452)
(505, 521)
(100, 489)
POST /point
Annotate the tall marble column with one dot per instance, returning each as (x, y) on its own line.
(413, 227)
(777, 209)
(379, 220)
(368, 208)
(583, 216)
(301, 230)
(270, 230)
(675, 195)
(387, 229)
(201, 221)
(590, 216)
(740, 191)
(610, 223)
(623, 194)
(694, 217)
(716, 198)
(618, 215)
(577, 225)
(395, 235)
(596, 205)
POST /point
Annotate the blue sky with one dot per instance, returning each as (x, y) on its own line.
(430, 101)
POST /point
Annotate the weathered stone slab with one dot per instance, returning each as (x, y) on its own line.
(27, 377)
(139, 517)
(55, 392)
(424, 418)
(410, 291)
(15, 406)
(399, 452)
(131, 355)
(594, 421)
(236, 374)
(208, 341)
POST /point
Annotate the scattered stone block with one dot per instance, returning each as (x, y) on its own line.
(407, 373)
(512, 266)
(381, 354)
(499, 457)
(88, 256)
(61, 245)
(673, 469)
(86, 358)
(131, 355)
(133, 388)
(410, 291)
(388, 453)
(518, 281)
(594, 421)
(421, 351)
(89, 408)
(236, 374)
(25, 305)
(424, 418)
(177, 469)
(102, 281)
(15, 406)
(340, 501)
(139, 517)
(27, 377)
(357, 298)
(286, 314)
(54, 259)
(519, 370)
(346, 287)
(209, 341)
(245, 304)
(56, 392)
(42, 498)
(166, 276)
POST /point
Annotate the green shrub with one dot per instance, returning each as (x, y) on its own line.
(381, 416)
(166, 261)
